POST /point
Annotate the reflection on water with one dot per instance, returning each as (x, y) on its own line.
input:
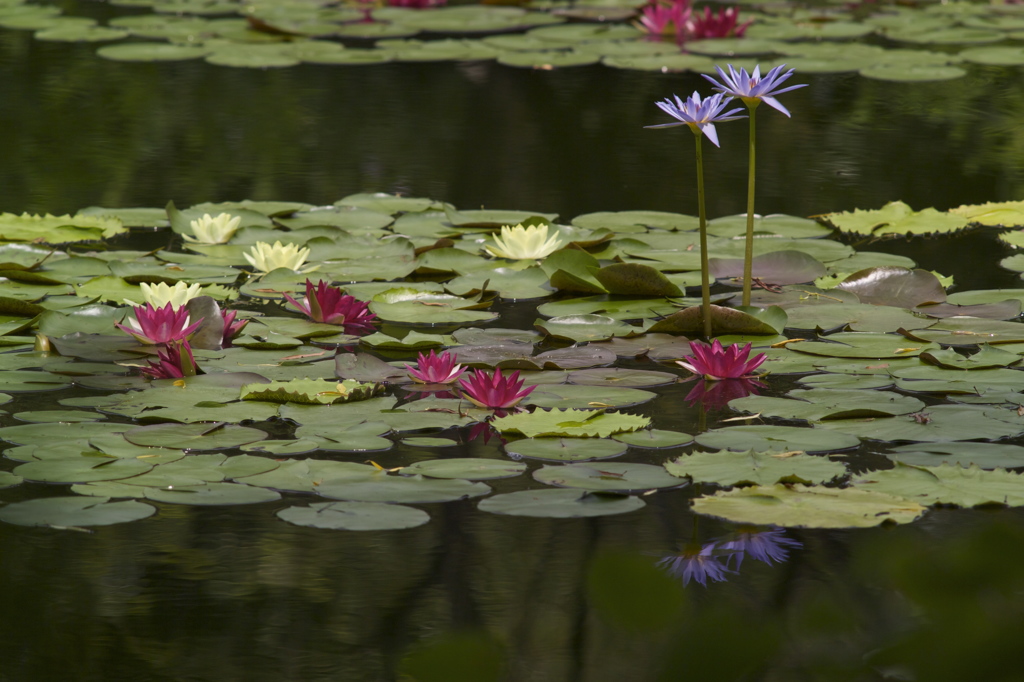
(235, 594)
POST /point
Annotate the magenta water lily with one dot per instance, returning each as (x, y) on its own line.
(493, 390)
(153, 325)
(435, 369)
(325, 303)
(715, 362)
(174, 361)
(232, 327)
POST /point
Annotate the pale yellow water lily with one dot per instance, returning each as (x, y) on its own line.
(265, 257)
(522, 243)
(160, 294)
(210, 230)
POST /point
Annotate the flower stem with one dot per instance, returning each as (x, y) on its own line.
(748, 256)
(705, 282)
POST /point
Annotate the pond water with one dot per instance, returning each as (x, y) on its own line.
(237, 594)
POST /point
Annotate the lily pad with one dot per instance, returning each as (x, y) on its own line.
(468, 468)
(560, 504)
(808, 507)
(570, 423)
(621, 477)
(212, 494)
(203, 436)
(566, 449)
(402, 489)
(73, 512)
(947, 484)
(755, 468)
(770, 438)
(354, 516)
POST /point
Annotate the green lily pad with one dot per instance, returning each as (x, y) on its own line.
(202, 436)
(808, 507)
(468, 468)
(81, 470)
(8, 480)
(354, 516)
(897, 217)
(754, 468)
(566, 449)
(567, 423)
(402, 489)
(73, 512)
(654, 438)
(770, 438)
(984, 455)
(947, 484)
(818, 404)
(212, 494)
(936, 423)
(621, 477)
(560, 504)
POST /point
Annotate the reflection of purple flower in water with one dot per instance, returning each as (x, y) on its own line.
(698, 562)
(717, 394)
(770, 546)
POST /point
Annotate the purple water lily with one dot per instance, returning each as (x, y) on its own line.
(154, 325)
(698, 562)
(494, 391)
(715, 363)
(700, 114)
(770, 546)
(752, 88)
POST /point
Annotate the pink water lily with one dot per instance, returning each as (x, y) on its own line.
(714, 362)
(175, 361)
(324, 303)
(725, 24)
(494, 391)
(232, 327)
(435, 369)
(154, 325)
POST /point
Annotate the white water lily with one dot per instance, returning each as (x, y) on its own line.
(160, 294)
(522, 243)
(265, 257)
(210, 230)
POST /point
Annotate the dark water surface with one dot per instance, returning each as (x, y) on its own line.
(236, 594)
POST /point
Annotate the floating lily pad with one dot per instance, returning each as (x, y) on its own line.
(8, 480)
(936, 423)
(566, 449)
(621, 477)
(568, 423)
(402, 489)
(755, 468)
(984, 455)
(212, 494)
(354, 516)
(81, 469)
(72, 512)
(468, 468)
(947, 484)
(770, 438)
(654, 438)
(808, 507)
(560, 504)
(203, 436)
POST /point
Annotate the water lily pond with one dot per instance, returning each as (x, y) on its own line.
(294, 495)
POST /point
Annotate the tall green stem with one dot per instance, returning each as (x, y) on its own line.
(748, 255)
(705, 282)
